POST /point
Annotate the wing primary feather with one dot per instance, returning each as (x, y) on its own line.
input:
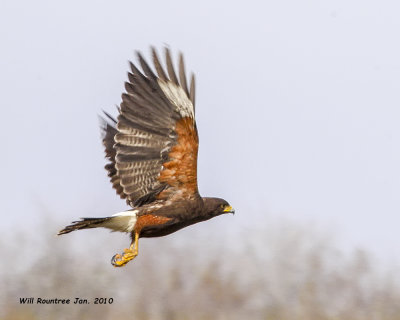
(110, 117)
(154, 109)
(140, 106)
(182, 75)
(152, 83)
(158, 66)
(137, 78)
(170, 67)
(192, 93)
(135, 70)
(138, 86)
(145, 67)
(129, 87)
(141, 86)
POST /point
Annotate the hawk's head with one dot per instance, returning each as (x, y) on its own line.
(216, 206)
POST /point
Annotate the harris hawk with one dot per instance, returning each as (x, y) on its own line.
(152, 157)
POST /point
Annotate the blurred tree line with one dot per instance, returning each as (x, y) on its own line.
(279, 270)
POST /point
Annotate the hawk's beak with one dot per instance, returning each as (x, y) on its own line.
(229, 209)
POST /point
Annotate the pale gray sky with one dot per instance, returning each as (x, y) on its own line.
(298, 107)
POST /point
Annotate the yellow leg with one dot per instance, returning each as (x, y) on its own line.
(129, 254)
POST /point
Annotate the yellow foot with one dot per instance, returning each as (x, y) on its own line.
(119, 261)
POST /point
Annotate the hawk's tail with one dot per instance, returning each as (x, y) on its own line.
(85, 223)
(122, 221)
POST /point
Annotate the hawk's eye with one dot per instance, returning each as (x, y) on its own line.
(222, 206)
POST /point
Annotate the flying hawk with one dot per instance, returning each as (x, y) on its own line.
(152, 152)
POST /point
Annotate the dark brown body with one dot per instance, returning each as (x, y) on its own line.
(175, 216)
(169, 227)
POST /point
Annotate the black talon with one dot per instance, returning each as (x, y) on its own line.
(113, 259)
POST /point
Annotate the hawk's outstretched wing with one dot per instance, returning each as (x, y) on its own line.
(153, 146)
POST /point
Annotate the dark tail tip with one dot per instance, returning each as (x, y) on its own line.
(69, 229)
(76, 225)
(85, 223)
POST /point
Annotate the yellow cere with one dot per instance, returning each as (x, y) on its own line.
(228, 209)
